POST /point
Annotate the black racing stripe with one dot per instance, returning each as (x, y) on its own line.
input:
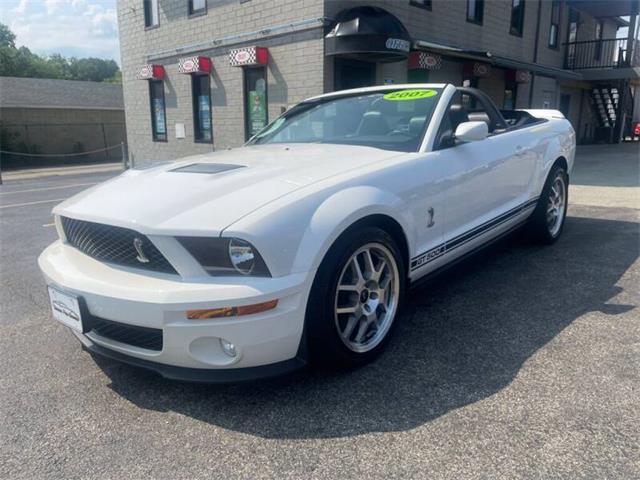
(436, 252)
(490, 223)
(428, 256)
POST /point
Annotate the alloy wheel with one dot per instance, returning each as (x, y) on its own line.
(556, 204)
(367, 297)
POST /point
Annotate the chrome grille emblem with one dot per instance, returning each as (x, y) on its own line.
(141, 257)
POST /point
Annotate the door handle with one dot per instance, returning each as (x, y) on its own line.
(520, 150)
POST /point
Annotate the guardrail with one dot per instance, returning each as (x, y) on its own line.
(605, 53)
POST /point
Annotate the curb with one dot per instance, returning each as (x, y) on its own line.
(58, 171)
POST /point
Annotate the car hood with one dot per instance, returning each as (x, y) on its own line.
(206, 193)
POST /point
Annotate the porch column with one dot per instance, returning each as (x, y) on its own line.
(631, 37)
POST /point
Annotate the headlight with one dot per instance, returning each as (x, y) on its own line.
(242, 256)
(226, 256)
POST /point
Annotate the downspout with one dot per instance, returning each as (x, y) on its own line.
(535, 53)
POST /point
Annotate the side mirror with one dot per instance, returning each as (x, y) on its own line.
(472, 131)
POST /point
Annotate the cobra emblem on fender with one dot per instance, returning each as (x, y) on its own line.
(141, 257)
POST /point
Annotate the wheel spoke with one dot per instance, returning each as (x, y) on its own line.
(364, 326)
(348, 288)
(369, 269)
(348, 329)
(385, 282)
(357, 269)
(380, 271)
(343, 310)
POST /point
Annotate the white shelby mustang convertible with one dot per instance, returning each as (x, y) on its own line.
(299, 246)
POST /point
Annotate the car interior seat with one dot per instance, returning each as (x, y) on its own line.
(456, 115)
(480, 117)
(416, 125)
(373, 123)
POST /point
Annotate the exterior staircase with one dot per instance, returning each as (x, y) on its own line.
(612, 105)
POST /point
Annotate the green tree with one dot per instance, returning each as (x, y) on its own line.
(21, 62)
(7, 37)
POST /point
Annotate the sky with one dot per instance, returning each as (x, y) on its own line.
(73, 28)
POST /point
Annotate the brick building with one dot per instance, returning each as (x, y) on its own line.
(206, 74)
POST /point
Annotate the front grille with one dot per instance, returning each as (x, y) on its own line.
(115, 245)
(142, 337)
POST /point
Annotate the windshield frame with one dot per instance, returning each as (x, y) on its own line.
(330, 97)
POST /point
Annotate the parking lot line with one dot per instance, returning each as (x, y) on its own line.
(50, 188)
(31, 203)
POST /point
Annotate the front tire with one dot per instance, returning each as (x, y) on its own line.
(355, 299)
(547, 221)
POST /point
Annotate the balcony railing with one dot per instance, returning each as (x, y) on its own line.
(605, 53)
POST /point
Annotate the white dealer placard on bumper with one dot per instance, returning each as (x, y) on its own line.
(66, 309)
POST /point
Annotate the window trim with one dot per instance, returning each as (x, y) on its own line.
(144, 14)
(423, 4)
(196, 112)
(154, 134)
(512, 30)
(555, 4)
(199, 12)
(475, 20)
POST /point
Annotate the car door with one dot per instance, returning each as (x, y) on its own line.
(487, 183)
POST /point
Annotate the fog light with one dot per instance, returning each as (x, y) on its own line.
(228, 347)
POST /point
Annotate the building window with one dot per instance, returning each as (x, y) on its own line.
(554, 28)
(256, 114)
(158, 116)
(598, 46)
(572, 31)
(202, 131)
(517, 17)
(426, 4)
(197, 7)
(475, 11)
(572, 35)
(151, 17)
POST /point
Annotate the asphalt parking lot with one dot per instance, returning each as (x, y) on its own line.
(522, 363)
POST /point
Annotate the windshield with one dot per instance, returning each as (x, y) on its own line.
(390, 120)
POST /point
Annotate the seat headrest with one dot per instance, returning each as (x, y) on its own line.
(416, 124)
(373, 123)
(458, 115)
(479, 117)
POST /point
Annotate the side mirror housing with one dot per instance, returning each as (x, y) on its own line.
(472, 131)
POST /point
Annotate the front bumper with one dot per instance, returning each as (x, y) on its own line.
(200, 375)
(190, 349)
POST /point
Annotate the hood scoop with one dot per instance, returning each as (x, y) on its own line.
(208, 168)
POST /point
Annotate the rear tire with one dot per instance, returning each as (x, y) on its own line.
(547, 221)
(355, 299)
